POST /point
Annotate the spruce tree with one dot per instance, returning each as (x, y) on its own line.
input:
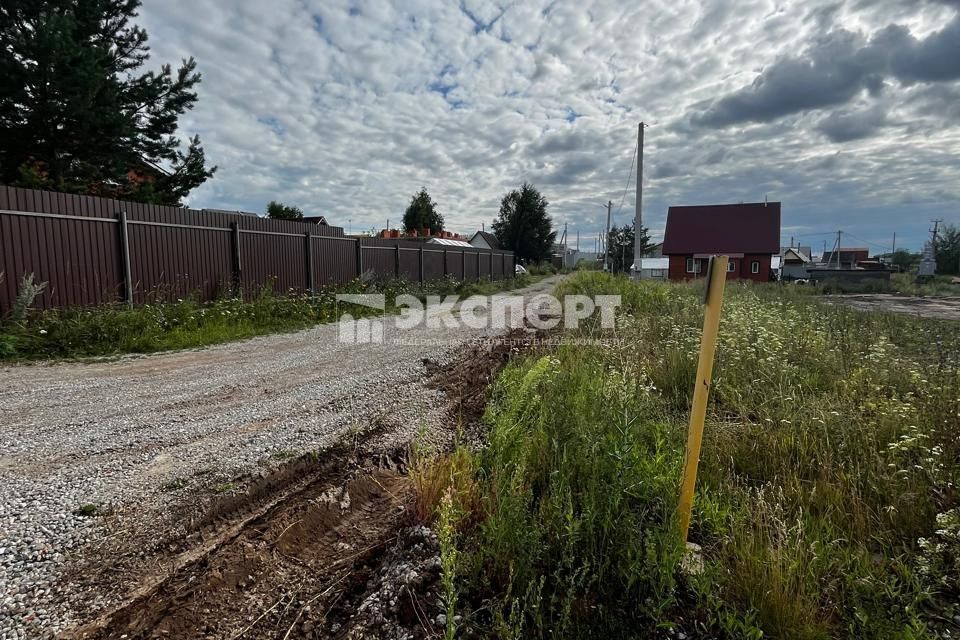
(78, 113)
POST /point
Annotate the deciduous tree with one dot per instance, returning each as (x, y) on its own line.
(280, 211)
(948, 250)
(422, 213)
(524, 226)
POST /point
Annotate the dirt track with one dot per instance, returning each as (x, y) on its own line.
(942, 308)
(122, 480)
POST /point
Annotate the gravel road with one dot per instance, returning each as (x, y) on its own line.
(135, 435)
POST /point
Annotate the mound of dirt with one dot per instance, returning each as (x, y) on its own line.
(467, 380)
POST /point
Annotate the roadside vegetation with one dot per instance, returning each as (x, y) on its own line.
(906, 283)
(827, 503)
(80, 332)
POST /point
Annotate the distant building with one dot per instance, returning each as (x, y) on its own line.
(845, 257)
(653, 268)
(795, 263)
(484, 240)
(448, 242)
(749, 234)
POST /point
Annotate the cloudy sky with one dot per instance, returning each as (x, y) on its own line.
(847, 112)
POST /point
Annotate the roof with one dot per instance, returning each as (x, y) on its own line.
(805, 250)
(847, 254)
(489, 238)
(450, 243)
(735, 228)
(795, 253)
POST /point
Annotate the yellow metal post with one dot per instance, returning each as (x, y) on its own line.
(715, 281)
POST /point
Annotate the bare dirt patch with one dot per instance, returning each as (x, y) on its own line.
(942, 308)
(256, 575)
(467, 380)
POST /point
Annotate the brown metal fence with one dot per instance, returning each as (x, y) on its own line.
(93, 251)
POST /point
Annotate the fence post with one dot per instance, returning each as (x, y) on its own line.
(463, 265)
(359, 258)
(235, 258)
(420, 255)
(397, 256)
(444, 263)
(125, 257)
(478, 265)
(308, 254)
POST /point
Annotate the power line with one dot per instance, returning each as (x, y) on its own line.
(874, 244)
(810, 235)
(633, 161)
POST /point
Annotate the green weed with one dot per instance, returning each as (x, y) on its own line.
(827, 503)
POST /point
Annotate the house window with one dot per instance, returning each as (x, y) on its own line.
(755, 266)
(692, 265)
(731, 266)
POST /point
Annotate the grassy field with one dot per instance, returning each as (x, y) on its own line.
(27, 334)
(827, 504)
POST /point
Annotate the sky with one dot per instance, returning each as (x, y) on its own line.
(846, 112)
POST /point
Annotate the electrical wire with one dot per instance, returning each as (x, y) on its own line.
(874, 244)
(633, 162)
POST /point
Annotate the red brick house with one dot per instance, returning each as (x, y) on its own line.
(749, 234)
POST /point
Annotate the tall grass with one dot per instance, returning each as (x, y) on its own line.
(827, 505)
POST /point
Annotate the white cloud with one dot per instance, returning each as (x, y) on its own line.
(347, 108)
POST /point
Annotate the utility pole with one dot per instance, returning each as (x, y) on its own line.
(578, 240)
(638, 216)
(606, 251)
(838, 248)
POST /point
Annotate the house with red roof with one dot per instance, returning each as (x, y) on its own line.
(747, 233)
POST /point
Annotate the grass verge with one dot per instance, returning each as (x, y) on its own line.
(827, 504)
(81, 332)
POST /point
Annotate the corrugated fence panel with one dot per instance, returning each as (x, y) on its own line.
(167, 263)
(276, 262)
(334, 261)
(470, 265)
(77, 258)
(410, 264)
(433, 264)
(484, 265)
(380, 261)
(176, 252)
